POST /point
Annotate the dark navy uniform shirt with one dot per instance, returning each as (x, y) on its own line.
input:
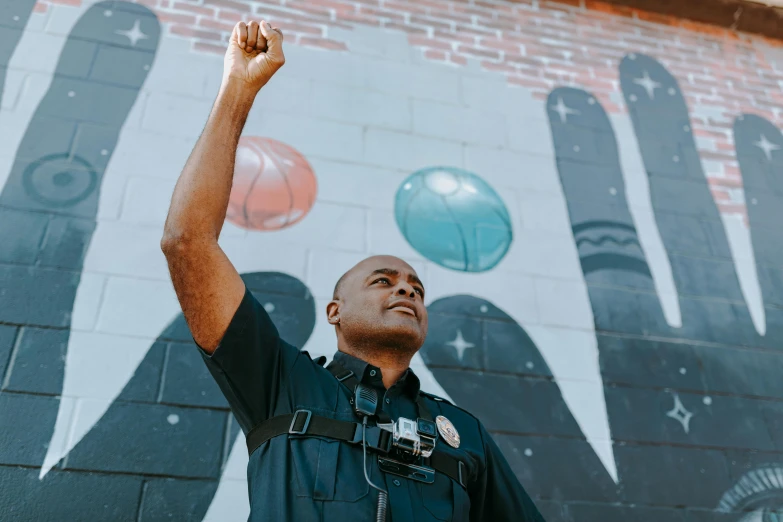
(306, 478)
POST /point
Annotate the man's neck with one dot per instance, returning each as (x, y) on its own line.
(392, 365)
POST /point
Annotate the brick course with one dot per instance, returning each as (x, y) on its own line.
(538, 45)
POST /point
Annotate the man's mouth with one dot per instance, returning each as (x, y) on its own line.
(404, 308)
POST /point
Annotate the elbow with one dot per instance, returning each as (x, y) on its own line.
(168, 244)
(171, 244)
(174, 244)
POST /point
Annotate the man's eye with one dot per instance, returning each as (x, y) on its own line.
(382, 279)
(420, 291)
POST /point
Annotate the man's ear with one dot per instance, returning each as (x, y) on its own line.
(333, 312)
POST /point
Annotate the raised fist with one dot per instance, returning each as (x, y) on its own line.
(254, 54)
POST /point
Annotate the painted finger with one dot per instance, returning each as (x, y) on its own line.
(49, 205)
(613, 262)
(15, 17)
(688, 220)
(170, 397)
(489, 365)
(759, 146)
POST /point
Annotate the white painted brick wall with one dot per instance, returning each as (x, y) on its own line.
(365, 120)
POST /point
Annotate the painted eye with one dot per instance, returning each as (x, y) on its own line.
(757, 494)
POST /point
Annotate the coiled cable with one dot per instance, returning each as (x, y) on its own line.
(383, 496)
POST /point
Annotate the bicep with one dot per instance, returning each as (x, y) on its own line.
(209, 290)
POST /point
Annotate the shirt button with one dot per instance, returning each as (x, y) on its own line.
(372, 373)
(388, 400)
(396, 482)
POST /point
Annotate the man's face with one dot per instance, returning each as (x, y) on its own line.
(381, 305)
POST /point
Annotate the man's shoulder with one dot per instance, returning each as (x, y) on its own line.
(435, 398)
(449, 408)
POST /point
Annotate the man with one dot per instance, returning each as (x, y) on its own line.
(308, 445)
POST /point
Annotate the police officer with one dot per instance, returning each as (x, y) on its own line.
(356, 440)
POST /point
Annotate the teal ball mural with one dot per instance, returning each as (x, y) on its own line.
(453, 218)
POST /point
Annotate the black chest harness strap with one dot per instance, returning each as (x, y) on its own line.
(306, 423)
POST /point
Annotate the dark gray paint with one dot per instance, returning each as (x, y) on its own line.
(717, 364)
(38, 362)
(110, 497)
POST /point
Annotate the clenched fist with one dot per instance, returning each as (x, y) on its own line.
(254, 54)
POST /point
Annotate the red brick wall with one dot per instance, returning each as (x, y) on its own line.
(538, 45)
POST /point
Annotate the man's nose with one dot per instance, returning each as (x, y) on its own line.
(406, 289)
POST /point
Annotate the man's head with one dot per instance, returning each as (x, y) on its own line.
(378, 305)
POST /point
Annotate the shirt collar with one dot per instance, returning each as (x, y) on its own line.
(371, 375)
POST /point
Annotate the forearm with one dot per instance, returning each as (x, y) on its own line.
(200, 198)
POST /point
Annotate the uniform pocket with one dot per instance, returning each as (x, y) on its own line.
(438, 497)
(461, 504)
(328, 470)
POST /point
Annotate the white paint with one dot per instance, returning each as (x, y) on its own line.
(680, 413)
(460, 344)
(563, 110)
(97, 368)
(134, 34)
(739, 238)
(648, 84)
(767, 146)
(637, 190)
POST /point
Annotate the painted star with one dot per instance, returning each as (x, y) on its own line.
(767, 146)
(134, 34)
(563, 110)
(460, 344)
(680, 414)
(648, 83)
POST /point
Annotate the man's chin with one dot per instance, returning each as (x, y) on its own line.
(403, 337)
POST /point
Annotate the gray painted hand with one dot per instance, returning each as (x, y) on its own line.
(694, 410)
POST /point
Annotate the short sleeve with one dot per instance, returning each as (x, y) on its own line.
(251, 364)
(498, 494)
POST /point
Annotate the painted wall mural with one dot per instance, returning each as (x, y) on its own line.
(601, 249)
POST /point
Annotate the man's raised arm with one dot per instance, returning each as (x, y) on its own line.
(208, 286)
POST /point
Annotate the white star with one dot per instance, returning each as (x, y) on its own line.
(134, 34)
(679, 413)
(767, 146)
(460, 344)
(563, 110)
(648, 83)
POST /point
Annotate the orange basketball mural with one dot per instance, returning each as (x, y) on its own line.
(274, 185)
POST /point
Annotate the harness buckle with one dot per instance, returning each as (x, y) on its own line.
(344, 376)
(303, 430)
(462, 478)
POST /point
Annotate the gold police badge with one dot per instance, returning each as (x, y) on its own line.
(447, 431)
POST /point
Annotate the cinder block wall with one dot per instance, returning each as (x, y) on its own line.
(617, 327)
